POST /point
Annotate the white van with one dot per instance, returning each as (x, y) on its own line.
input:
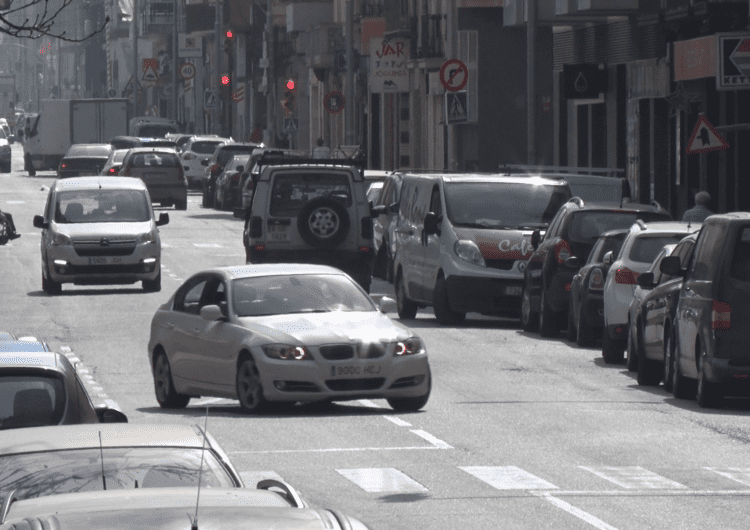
(462, 241)
(152, 127)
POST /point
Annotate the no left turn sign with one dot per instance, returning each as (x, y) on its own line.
(454, 75)
(187, 71)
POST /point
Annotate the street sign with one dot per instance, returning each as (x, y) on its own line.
(291, 125)
(456, 107)
(734, 62)
(187, 70)
(149, 69)
(454, 75)
(388, 65)
(705, 138)
(189, 46)
(210, 99)
(334, 102)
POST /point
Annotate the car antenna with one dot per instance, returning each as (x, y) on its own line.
(101, 452)
(194, 524)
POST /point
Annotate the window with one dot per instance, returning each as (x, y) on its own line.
(292, 190)
(645, 249)
(740, 269)
(707, 255)
(204, 148)
(31, 401)
(189, 297)
(436, 206)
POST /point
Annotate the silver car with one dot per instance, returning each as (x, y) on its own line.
(197, 149)
(283, 333)
(100, 230)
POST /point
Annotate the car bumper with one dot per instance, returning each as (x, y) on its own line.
(65, 266)
(489, 296)
(735, 379)
(167, 193)
(558, 291)
(617, 331)
(592, 309)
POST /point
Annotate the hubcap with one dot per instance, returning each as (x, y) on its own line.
(249, 385)
(161, 379)
(324, 222)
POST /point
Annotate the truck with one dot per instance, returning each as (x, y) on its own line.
(64, 122)
(8, 98)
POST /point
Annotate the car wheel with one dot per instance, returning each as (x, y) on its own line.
(181, 205)
(207, 197)
(649, 372)
(380, 263)
(585, 332)
(612, 349)
(682, 388)
(389, 268)
(166, 395)
(529, 319)
(412, 404)
(323, 222)
(249, 387)
(570, 332)
(152, 286)
(548, 326)
(406, 308)
(708, 394)
(667, 375)
(49, 285)
(632, 351)
(444, 314)
(4, 229)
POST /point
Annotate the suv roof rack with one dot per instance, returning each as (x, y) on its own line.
(576, 200)
(641, 223)
(596, 171)
(296, 160)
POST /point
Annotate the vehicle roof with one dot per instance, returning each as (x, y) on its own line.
(273, 269)
(7, 335)
(617, 232)
(730, 216)
(165, 150)
(46, 360)
(85, 436)
(87, 150)
(237, 145)
(99, 182)
(204, 138)
(664, 226)
(625, 207)
(487, 177)
(376, 174)
(22, 346)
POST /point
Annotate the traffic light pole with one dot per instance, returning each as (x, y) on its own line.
(350, 106)
(135, 59)
(216, 113)
(270, 80)
(174, 60)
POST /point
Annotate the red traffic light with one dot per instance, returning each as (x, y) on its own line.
(290, 84)
(225, 80)
(230, 34)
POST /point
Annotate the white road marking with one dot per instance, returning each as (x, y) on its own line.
(334, 450)
(633, 477)
(430, 438)
(368, 403)
(398, 421)
(65, 349)
(98, 388)
(16, 202)
(74, 360)
(585, 516)
(207, 245)
(209, 401)
(738, 474)
(251, 478)
(650, 492)
(383, 480)
(508, 478)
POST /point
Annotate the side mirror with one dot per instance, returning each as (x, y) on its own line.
(645, 280)
(211, 312)
(431, 222)
(573, 262)
(110, 415)
(377, 211)
(386, 304)
(204, 162)
(671, 265)
(39, 222)
(393, 207)
(609, 258)
(163, 219)
(536, 237)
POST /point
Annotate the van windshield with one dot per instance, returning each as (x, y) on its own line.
(102, 206)
(502, 204)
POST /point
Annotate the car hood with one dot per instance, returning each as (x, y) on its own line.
(112, 231)
(326, 328)
(499, 244)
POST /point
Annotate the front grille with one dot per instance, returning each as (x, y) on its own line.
(104, 269)
(502, 264)
(337, 352)
(375, 350)
(296, 386)
(355, 384)
(95, 248)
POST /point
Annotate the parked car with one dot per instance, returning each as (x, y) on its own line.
(373, 191)
(125, 142)
(227, 184)
(251, 173)
(194, 152)
(654, 318)
(160, 169)
(638, 251)
(4, 151)
(573, 232)
(114, 162)
(385, 224)
(39, 387)
(586, 311)
(152, 126)
(100, 231)
(215, 166)
(84, 160)
(248, 343)
(709, 335)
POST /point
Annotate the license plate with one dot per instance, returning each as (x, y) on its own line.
(104, 260)
(278, 233)
(513, 290)
(356, 370)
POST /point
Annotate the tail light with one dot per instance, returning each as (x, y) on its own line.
(596, 280)
(562, 251)
(63, 166)
(625, 276)
(113, 171)
(214, 168)
(721, 316)
(236, 177)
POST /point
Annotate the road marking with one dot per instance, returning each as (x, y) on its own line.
(738, 474)
(430, 438)
(74, 360)
(15, 202)
(382, 480)
(251, 478)
(64, 349)
(334, 450)
(508, 478)
(585, 516)
(371, 404)
(207, 245)
(398, 421)
(209, 401)
(633, 477)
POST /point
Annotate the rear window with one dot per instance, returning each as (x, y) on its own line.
(101, 206)
(611, 243)
(154, 160)
(204, 148)
(292, 190)
(30, 401)
(156, 131)
(588, 225)
(740, 269)
(226, 154)
(82, 164)
(646, 248)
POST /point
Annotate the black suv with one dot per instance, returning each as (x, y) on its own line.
(572, 233)
(215, 166)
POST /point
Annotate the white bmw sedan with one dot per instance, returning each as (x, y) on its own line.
(283, 333)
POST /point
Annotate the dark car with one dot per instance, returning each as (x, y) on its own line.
(158, 142)
(654, 318)
(114, 162)
(215, 166)
(586, 311)
(39, 388)
(572, 232)
(83, 160)
(227, 186)
(125, 142)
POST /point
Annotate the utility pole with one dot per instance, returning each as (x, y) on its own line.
(216, 113)
(350, 106)
(531, 6)
(270, 79)
(134, 79)
(451, 130)
(175, 5)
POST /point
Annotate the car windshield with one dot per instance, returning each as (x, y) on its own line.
(302, 293)
(150, 159)
(646, 248)
(30, 401)
(118, 156)
(204, 148)
(21, 346)
(588, 225)
(607, 244)
(292, 190)
(71, 471)
(101, 206)
(503, 205)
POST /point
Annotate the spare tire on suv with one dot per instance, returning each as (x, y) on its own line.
(323, 222)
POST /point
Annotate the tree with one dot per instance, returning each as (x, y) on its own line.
(42, 24)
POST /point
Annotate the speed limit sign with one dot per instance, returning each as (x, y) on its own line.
(187, 71)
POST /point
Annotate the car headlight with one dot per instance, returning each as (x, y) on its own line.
(148, 237)
(469, 251)
(410, 346)
(286, 352)
(61, 240)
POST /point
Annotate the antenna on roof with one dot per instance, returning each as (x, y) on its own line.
(101, 452)
(194, 525)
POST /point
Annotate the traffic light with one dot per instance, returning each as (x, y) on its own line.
(225, 87)
(289, 95)
(229, 42)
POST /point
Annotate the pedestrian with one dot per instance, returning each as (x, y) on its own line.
(699, 212)
(321, 151)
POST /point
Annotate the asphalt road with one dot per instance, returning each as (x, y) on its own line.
(520, 432)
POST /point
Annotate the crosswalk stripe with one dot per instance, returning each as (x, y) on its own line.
(738, 474)
(382, 480)
(585, 516)
(508, 478)
(633, 477)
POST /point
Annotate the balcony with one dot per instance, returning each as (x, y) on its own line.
(596, 7)
(426, 36)
(159, 13)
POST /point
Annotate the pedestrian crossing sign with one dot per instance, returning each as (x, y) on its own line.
(705, 138)
(210, 100)
(456, 107)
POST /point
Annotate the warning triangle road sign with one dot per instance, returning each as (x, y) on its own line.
(456, 107)
(705, 138)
